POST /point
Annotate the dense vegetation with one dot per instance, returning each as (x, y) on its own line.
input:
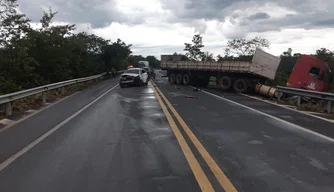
(32, 57)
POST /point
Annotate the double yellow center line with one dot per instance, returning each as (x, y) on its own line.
(196, 168)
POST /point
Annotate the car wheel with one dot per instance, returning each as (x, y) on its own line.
(121, 85)
(141, 83)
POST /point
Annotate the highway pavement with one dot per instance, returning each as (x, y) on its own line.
(164, 137)
(256, 144)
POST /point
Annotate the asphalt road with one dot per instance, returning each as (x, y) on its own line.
(131, 140)
(255, 151)
(122, 142)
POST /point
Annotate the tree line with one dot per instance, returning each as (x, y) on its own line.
(31, 57)
(243, 49)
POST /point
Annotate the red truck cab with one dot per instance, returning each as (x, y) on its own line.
(310, 73)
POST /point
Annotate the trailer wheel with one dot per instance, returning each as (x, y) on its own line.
(179, 79)
(240, 86)
(225, 82)
(172, 78)
(186, 79)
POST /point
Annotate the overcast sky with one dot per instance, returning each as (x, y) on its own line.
(157, 27)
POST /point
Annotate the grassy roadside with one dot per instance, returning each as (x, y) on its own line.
(35, 101)
(312, 106)
(309, 106)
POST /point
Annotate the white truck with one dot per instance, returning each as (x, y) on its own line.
(239, 75)
(143, 64)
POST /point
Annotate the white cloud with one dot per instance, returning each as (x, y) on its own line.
(300, 40)
(157, 27)
(154, 41)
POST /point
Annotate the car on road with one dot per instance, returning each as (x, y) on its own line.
(134, 77)
(150, 72)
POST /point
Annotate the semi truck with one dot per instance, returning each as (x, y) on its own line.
(142, 64)
(242, 76)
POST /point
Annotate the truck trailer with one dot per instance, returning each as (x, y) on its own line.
(308, 72)
(238, 75)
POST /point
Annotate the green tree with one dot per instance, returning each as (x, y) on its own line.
(134, 59)
(194, 50)
(154, 62)
(15, 63)
(13, 25)
(32, 57)
(287, 53)
(325, 54)
(52, 49)
(86, 54)
(220, 58)
(207, 56)
(112, 54)
(181, 56)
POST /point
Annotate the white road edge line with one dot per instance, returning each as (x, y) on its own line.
(45, 135)
(276, 118)
(35, 112)
(302, 112)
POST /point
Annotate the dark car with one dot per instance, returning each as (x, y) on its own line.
(150, 72)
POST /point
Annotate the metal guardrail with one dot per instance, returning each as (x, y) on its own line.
(7, 99)
(329, 97)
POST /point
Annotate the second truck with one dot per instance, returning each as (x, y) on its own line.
(241, 76)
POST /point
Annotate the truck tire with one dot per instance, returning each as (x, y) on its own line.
(179, 79)
(186, 79)
(240, 86)
(225, 83)
(172, 78)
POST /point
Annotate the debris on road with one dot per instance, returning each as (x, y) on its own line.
(188, 96)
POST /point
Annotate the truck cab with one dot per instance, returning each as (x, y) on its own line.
(142, 64)
(310, 73)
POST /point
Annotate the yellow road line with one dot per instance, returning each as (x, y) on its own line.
(199, 174)
(221, 177)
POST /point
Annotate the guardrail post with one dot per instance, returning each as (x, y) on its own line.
(298, 100)
(63, 90)
(329, 106)
(279, 96)
(43, 98)
(9, 109)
